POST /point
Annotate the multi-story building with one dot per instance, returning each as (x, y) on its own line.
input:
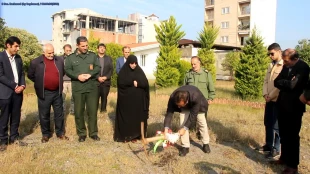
(237, 18)
(146, 30)
(70, 24)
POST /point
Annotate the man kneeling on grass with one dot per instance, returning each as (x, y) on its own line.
(190, 102)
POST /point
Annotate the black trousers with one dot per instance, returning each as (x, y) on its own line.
(51, 98)
(289, 128)
(10, 112)
(103, 95)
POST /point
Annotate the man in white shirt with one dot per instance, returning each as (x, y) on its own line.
(12, 85)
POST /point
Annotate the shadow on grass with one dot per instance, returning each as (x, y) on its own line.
(29, 124)
(206, 167)
(229, 136)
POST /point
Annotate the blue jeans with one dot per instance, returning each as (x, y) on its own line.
(271, 126)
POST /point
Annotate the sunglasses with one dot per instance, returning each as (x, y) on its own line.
(272, 54)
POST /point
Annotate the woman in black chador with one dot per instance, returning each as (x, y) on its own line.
(133, 100)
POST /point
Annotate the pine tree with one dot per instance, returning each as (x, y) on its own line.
(168, 62)
(252, 68)
(207, 38)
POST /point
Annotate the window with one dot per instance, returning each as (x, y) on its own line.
(225, 24)
(224, 39)
(142, 61)
(243, 40)
(225, 10)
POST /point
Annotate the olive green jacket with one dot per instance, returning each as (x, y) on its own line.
(76, 64)
(202, 80)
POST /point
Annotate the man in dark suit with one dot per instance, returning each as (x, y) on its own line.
(192, 104)
(291, 81)
(104, 76)
(12, 85)
(47, 73)
(121, 60)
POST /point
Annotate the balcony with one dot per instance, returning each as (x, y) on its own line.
(209, 16)
(209, 4)
(65, 32)
(245, 11)
(244, 1)
(244, 28)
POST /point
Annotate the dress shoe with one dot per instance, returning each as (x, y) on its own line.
(3, 147)
(290, 170)
(95, 137)
(62, 137)
(184, 151)
(82, 138)
(206, 148)
(18, 142)
(45, 139)
(272, 154)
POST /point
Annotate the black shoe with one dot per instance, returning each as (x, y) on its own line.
(3, 147)
(272, 154)
(95, 137)
(184, 151)
(264, 149)
(82, 138)
(206, 148)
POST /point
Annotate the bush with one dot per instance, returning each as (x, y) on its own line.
(185, 66)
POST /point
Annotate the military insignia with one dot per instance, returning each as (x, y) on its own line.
(206, 71)
(91, 66)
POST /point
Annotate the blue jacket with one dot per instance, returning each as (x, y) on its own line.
(119, 64)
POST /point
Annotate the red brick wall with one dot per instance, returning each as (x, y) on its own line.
(108, 37)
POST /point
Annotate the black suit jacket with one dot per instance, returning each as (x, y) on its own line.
(107, 70)
(36, 74)
(7, 83)
(290, 90)
(197, 103)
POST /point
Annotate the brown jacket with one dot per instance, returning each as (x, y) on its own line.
(272, 73)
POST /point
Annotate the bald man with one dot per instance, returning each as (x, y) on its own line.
(47, 73)
(291, 82)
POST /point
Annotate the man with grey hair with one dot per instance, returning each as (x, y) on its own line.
(47, 73)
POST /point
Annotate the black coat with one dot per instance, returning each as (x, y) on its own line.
(36, 74)
(197, 103)
(290, 90)
(7, 83)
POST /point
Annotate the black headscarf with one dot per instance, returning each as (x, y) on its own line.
(127, 75)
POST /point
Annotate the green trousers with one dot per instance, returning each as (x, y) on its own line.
(90, 101)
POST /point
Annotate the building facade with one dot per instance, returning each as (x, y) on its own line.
(237, 18)
(146, 30)
(70, 24)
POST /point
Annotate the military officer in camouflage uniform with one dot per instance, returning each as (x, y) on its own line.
(83, 68)
(202, 79)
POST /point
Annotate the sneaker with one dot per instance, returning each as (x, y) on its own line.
(184, 151)
(264, 149)
(272, 154)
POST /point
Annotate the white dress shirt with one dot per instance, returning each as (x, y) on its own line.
(13, 65)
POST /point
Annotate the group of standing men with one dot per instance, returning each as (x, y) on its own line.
(88, 76)
(286, 91)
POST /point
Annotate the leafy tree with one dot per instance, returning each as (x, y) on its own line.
(93, 42)
(168, 62)
(3, 34)
(115, 51)
(207, 38)
(303, 49)
(184, 67)
(251, 70)
(29, 48)
(231, 61)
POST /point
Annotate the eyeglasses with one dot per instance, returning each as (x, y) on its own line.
(272, 54)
